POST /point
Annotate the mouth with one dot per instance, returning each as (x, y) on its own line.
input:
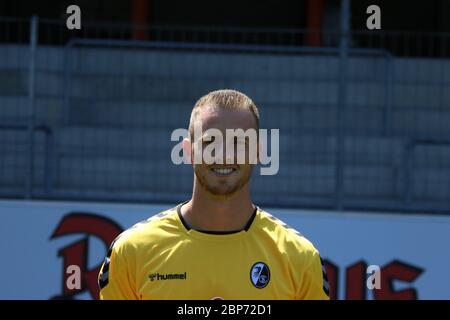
(223, 172)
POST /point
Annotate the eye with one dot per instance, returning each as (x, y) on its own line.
(207, 142)
(240, 140)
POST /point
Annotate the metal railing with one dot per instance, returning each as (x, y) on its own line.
(348, 113)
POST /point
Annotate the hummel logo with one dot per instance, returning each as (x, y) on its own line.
(168, 276)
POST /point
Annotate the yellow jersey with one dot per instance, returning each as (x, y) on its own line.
(163, 259)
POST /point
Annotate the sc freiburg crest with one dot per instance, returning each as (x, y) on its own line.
(260, 275)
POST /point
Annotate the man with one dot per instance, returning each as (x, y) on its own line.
(217, 245)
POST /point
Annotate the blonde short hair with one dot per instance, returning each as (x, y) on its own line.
(225, 98)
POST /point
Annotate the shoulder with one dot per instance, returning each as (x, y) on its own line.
(147, 232)
(302, 258)
(287, 238)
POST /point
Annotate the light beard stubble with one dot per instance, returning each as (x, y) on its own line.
(220, 191)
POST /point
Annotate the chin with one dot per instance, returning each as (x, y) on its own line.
(221, 190)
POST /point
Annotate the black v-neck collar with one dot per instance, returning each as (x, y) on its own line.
(246, 228)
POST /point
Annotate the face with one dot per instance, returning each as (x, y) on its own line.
(230, 176)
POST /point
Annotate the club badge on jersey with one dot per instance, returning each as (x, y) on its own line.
(260, 275)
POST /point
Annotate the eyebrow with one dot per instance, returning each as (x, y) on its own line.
(207, 135)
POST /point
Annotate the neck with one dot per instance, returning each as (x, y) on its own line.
(208, 212)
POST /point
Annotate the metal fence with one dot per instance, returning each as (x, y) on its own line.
(364, 121)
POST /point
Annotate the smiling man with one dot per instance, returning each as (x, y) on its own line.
(218, 244)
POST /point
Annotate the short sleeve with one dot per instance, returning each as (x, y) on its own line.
(314, 281)
(116, 281)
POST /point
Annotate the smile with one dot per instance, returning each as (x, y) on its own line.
(223, 171)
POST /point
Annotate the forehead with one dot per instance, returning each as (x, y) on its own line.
(222, 118)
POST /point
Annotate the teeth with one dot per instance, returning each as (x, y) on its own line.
(223, 171)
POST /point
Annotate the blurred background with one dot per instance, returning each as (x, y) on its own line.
(86, 116)
(364, 115)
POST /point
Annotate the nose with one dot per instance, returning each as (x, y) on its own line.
(229, 152)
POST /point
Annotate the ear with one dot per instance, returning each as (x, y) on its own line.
(187, 150)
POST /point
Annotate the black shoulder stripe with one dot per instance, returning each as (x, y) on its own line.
(283, 224)
(326, 285)
(104, 273)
